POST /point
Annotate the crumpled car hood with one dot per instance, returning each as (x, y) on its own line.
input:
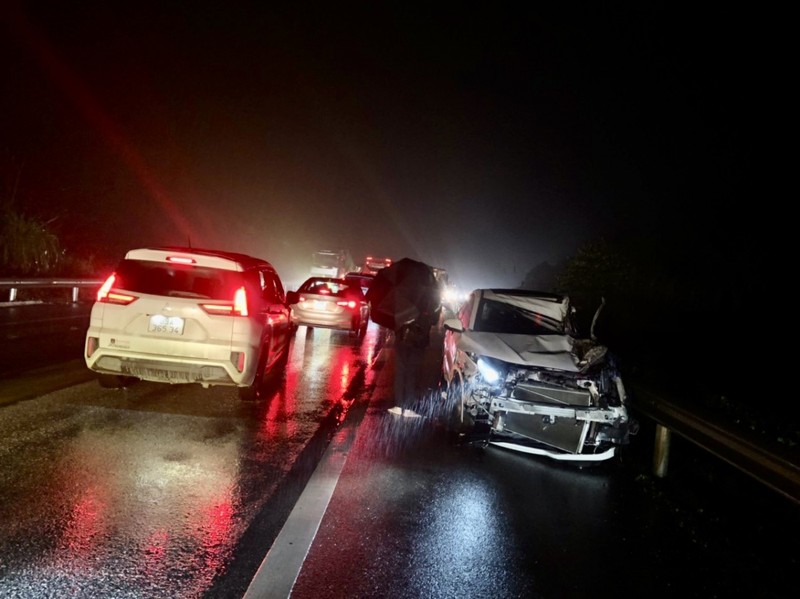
(543, 351)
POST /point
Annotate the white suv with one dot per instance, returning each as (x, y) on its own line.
(186, 315)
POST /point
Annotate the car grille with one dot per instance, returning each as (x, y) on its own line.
(552, 395)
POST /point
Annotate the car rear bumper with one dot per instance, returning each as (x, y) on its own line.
(167, 369)
(328, 321)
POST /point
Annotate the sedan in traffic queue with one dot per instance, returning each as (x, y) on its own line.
(330, 303)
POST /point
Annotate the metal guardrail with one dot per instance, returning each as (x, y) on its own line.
(772, 466)
(13, 286)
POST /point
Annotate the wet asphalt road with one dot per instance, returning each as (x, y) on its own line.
(415, 515)
(154, 491)
(180, 492)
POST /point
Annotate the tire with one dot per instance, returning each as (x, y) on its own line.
(459, 422)
(255, 390)
(358, 329)
(259, 387)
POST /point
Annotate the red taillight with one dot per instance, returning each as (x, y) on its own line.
(324, 291)
(237, 308)
(347, 303)
(240, 302)
(106, 295)
(105, 287)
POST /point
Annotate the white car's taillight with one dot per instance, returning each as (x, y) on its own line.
(238, 307)
(109, 296)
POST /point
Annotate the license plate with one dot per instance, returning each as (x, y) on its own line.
(170, 325)
(320, 305)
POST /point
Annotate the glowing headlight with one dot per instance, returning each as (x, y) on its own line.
(489, 374)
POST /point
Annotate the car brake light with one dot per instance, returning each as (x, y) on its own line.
(180, 259)
(236, 308)
(240, 302)
(105, 287)
(107, 296)
(347, 304)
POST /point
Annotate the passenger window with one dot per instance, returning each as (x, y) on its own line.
(279, 289)
(271, 290)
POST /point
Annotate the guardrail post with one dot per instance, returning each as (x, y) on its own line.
(661, 451)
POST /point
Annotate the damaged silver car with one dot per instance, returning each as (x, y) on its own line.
(516, 374)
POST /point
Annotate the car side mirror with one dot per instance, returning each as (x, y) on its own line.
(292, 297)
(454, 325)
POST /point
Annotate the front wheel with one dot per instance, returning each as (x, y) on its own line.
(255, 390)
(459, 420)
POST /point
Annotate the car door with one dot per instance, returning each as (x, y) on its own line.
(278, 314)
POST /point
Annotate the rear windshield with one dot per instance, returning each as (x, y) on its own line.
(327, 260)
(177, 280)
(361, 281)
(336, 288)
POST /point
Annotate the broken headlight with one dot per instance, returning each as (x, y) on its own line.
(493, 372)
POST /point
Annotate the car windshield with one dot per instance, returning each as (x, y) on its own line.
(499, 317)
(161, 278)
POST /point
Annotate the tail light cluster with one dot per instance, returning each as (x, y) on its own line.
(108, 295)
(238, 307)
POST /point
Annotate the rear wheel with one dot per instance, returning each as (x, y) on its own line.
(358, 328)
(258, 389)
(255, 390)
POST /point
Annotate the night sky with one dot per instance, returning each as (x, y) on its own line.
(484, 138)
